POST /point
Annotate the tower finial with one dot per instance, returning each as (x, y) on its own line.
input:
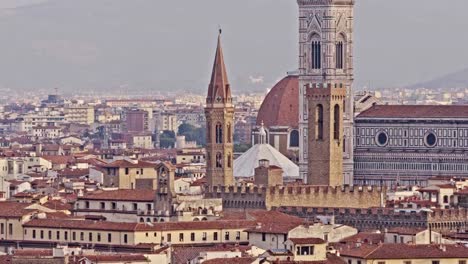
(220, 29)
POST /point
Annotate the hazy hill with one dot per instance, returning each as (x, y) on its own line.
(457, 79)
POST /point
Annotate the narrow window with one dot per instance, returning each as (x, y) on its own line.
(316, 55)
(219, 133)
(109, 237)
(226, 236)
(336, 122)
(215, 236)
(125, 238)
(219, 160)
(192, 236)
(229, 133)
(10, 229)
(319, 122)
(181, 237)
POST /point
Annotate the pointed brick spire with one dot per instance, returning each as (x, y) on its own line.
(219, 90)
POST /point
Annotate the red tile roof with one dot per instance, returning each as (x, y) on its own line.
(416, 111)
(121, 195)
(405, 251)
(80, 224)
(128, 164)
(365, 237)
(181, 254)
(307, 241)
(281, 107)
(406, 230)
(127, 258)
(14, 209)
(246, 260)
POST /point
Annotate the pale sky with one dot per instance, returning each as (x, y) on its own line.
(169, 45)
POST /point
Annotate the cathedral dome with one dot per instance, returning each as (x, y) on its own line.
(281, 105)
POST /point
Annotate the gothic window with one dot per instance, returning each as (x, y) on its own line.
(294, 138)
(339, 55)
(219, 160)
(229, 133)
(219, 133)
(316, 53)
(208, 131)
(336, 123)
(319, 122)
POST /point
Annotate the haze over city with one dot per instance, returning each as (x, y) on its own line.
(163, 45)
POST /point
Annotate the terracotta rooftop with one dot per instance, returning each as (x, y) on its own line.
(365, 237)
(405, 231)
(242, 260)
(416, 111)
(129, 164)
(113, 258)
(121, 195)
(14, 209)
(182, 254)
(80, 224)
(307, 241)
(280, 107)
(405, 251)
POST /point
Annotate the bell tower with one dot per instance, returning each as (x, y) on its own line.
(325, 95)
(219, 112)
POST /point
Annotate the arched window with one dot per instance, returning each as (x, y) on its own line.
(219, 133)
(294, 138)
(319, 122)
(219, 160)
(229, 133)
(208, 131)
(316, 52)
(336, 122)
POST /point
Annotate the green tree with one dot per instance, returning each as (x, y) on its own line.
(193, 133)
(167, 139)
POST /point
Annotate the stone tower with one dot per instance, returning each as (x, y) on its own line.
(326, 62)
(219, 112)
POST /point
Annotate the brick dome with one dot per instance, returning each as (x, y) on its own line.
(281, 105)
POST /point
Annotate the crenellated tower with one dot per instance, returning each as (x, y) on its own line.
(325, 95)
(219, 112)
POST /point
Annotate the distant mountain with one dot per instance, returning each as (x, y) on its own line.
(457, 79)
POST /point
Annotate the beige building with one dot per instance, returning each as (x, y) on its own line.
(79, 114)
(127, 206)
(130, 174)
(12, 217)
(112, 233)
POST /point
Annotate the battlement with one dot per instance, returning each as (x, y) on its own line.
(236, 190)
(314, 189)
(303, 195)
(452, 214)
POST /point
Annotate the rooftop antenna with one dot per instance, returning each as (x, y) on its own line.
(56, 90)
